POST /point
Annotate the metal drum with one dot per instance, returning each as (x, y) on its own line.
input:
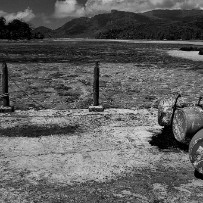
(196, 151)
(186, 122)
(165, 111)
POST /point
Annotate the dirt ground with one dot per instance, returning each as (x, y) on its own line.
(59, 75)
(53, 150)
(119, 155)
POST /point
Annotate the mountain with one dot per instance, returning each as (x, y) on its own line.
(46, 32)
(91, 27)
(74, 28)
(156, 24)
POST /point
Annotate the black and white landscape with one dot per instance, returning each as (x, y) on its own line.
(52, 149)
(155, 24)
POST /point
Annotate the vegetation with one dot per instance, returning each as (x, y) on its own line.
(17, 30)
(190, 48)
(41, 32)
(38, 35)
(157, 24)
(59, 74)
(153, 30)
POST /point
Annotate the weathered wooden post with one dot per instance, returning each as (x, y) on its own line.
(5, 96)
(5, 85)
(96, 107)
(96, 85)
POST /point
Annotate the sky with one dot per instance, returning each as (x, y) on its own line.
(54, 13)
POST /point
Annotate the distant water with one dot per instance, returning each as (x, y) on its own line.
(133, 41)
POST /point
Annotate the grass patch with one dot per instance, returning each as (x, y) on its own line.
(65, 91)
(56, 75)
(189, 48)
(37, 131)
(132, 75)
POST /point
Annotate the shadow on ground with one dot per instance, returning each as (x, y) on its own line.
(37, 131)
(166, 140)
(198, 175)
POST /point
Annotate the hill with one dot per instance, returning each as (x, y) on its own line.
(46, 32)
(74, 28)
(156, 24)
(92, 27)
(162, 24)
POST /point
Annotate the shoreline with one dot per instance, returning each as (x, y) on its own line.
(195, 42)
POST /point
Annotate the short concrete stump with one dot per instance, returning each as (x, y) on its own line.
(96, 109)
(6, 109)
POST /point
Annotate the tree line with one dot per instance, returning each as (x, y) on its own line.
(17, 30)
(158, 31)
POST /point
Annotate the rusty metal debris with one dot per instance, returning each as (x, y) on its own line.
(186, 122)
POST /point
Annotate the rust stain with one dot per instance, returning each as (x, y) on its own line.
(165, 111)
(178, 127)
(187, 121)
(198, 159)
(196, 151)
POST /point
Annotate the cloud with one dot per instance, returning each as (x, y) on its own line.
(190, 4)
(98, 6)
(161, 3)
(95, 6)
(2, 13)
(71, 8)
(177, 4)
(25, 15)
(68, 8)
